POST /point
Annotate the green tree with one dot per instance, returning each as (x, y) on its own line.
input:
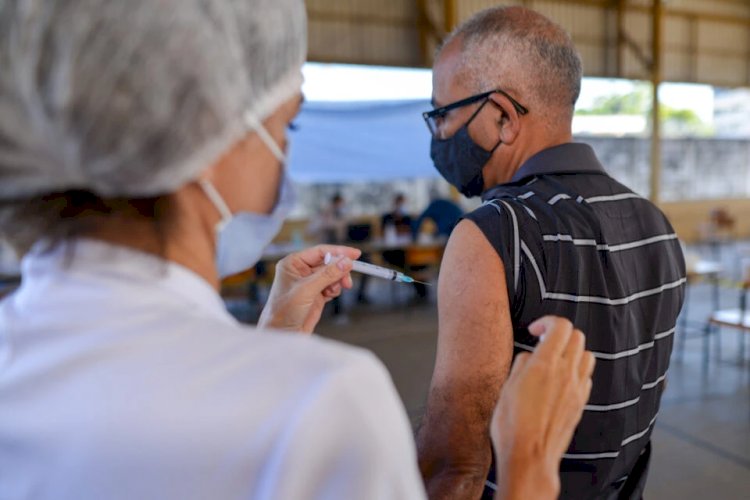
(637, 102)
(681, 122)
(675, 122)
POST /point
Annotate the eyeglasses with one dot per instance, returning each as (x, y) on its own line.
(432, 118)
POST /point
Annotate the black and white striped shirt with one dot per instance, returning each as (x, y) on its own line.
(576, 243)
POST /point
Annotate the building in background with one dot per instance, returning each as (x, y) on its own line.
(731, 112)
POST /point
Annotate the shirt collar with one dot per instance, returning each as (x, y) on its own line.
(572, 157)
(119, 267)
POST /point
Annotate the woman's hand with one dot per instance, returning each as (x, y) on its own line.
(539, 408)
(304, 284)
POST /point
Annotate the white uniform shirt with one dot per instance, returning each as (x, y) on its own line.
(123, 376)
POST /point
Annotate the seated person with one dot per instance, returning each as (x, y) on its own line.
(397, 218)
(398, 221)
(332, 226)
(329, 226)
(443, 212)
(357, 234)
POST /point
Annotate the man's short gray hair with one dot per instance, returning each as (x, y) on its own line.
(522, 51)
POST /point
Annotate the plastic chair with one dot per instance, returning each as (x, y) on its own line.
(738, 319)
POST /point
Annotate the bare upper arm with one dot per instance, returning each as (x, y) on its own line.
(475, 345)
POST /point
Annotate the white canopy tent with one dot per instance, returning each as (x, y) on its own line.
(362, 123)
(338, 142)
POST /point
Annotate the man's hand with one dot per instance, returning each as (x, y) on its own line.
(303, 285)
(539, 408)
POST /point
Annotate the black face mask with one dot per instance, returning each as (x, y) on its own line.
(460, 160)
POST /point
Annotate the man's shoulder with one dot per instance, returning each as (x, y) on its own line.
(512, 191)
(549, 204)
(512, 202)
(577, 190)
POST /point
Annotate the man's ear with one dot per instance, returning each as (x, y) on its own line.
(509, 122)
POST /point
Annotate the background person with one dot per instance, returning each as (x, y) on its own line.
(401, 224)
(331, 226)
(397, 217)
(443, 212)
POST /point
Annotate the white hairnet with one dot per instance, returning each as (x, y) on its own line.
(135, 98)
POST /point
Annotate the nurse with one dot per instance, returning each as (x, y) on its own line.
(142, 151)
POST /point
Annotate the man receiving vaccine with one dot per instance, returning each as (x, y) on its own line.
(555, 235)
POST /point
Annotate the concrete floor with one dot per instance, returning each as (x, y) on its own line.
(702, 436)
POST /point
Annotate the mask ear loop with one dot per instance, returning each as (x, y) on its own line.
(218, 202)
(253, 124)
(257, 127)
(499, 141)
(468, 122)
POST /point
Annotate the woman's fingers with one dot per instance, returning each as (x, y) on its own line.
(562, 427)
(546, 391)
(332, 291)
(574, 396)
(328, 274)
(314, 256)
(586, 365)
(518, 365)
(554, 333)
(574, 350)
(347, 281)
(571, 407)
(561, 354)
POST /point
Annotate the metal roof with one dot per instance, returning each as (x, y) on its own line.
(703, 41)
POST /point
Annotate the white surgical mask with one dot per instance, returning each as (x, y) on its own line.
(242, 237)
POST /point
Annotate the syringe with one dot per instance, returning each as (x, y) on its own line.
(377, 271)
